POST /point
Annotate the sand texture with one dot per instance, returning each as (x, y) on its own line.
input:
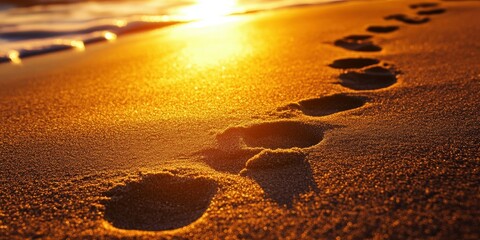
(355, 120)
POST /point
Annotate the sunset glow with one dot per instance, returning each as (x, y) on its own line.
(239, 119)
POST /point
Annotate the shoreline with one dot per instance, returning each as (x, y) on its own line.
(106, 33)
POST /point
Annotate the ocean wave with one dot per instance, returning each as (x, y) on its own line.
(32, 28)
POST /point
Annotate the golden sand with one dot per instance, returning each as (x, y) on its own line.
(308, 123)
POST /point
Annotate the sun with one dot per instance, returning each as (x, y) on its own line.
(208, 9)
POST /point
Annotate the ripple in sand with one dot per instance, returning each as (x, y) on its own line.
(360, 43)
(407, 19)
(327, 105)
(382, 29)
(368, 79)
(159, 202)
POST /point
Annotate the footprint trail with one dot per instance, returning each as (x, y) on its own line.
(273, 154)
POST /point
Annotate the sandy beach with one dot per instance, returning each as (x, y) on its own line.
(349, 120)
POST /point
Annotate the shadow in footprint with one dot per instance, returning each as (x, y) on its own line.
(423, 5)
(227, 161)
(159, 202)
(432, 11)
(236, 145)
(382, 29)
(347, 63)
(368, 79)
(327, 105)
(407, 19)
(360, 43)
(282, 174)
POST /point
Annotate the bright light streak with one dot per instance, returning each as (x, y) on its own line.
(77, 44)
(110, 36)
(14, 57)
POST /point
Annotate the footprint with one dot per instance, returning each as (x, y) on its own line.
(347, 63)
(432, 11)
(407, 19)
(159, 202)
(360, 43)
(423, 5)
(237, 145)
(368, 79)
(272, 154)
(282, 174)
(326, 105)
(273, 135)
(382, 29)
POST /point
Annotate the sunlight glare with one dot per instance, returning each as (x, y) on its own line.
(220, 43)
(78, 45)
(14, 57)
(109, 36)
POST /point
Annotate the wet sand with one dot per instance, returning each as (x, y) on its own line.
(351, 120)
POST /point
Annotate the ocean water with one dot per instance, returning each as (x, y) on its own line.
(36, 27)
